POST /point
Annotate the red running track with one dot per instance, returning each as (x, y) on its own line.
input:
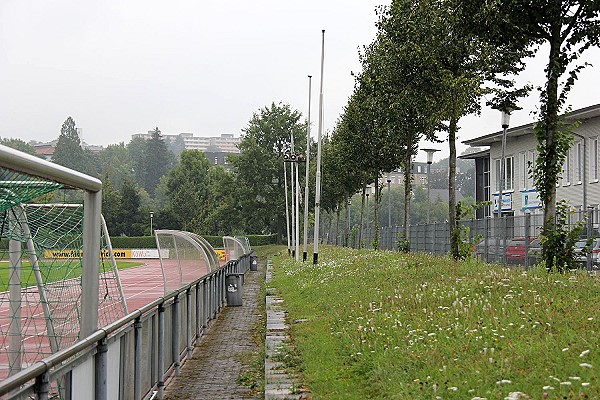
(141, 285)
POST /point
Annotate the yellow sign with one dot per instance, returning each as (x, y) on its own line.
(221, 254)
(70, 253)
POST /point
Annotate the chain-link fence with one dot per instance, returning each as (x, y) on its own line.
(506, 239)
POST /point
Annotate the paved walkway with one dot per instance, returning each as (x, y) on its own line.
(217, 361)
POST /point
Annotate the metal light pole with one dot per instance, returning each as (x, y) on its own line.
(305, 248)
(287, 208)
(293, 198)
(297, 234)
(429, 162)
(367, 233)
(151, 216)
(505, 123)
(318, 174)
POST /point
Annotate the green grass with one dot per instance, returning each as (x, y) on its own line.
(52, 271)
(384, 325)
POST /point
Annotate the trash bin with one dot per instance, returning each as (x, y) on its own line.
(253, 263)
(234, 289)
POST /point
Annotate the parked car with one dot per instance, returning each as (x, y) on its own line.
(516, 250)
(582, 257)
(495, 250)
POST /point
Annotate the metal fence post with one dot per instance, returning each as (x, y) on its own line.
(205, 302)
(137, 369)
(188, 296)
(101, 370)
(527, 236)
(161, 350)
(590, 228)
(198, 305)
(486, 237)
(42, 386)
(175, 335)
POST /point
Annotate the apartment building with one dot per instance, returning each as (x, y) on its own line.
(580, 174)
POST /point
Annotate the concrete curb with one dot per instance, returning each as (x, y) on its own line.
(279, 382)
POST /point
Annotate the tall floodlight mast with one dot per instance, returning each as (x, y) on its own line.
(304, 253)
(318, 180)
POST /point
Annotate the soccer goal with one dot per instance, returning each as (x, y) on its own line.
(58, 277)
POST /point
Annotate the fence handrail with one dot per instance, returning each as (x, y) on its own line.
(45, 365)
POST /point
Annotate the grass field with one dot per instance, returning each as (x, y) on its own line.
(384, 325)
(51, 271)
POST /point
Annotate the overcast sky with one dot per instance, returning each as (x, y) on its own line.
(124, 67)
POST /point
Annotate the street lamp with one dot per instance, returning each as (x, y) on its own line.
(505, 120)
(151, 216)
(389, 180)
(367, 227)
(429, 162)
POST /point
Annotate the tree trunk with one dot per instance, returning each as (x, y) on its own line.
(337, 225)
(453, 127)
(347, 227)
(407, 194)
(362, 215)
(550, 120)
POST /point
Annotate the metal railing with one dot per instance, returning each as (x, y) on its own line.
(135, 356)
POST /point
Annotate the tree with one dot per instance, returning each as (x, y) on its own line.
(129, 220)
(455, 63)
(568, 28)
(259, 166)
(18, 144)
(69, 152)
(137, 149)
(187, 187)
(159, 160)
(111, 206)
(115, 164)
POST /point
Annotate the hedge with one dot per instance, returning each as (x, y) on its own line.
(148, 242)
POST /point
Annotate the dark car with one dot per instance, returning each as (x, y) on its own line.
(582, 257)
(517, 249)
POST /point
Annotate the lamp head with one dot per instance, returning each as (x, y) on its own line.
(430, 155)
(505, 119)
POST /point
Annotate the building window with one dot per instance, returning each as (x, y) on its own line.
(594, 159)
(566, 170)
(509, 174)
(523, 161)
(578, 159)
(531, 166)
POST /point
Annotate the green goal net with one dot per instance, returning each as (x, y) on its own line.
(41, 249)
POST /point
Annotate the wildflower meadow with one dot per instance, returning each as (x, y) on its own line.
(383, 325)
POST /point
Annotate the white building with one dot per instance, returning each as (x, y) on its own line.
(581, 171)
(226, 142)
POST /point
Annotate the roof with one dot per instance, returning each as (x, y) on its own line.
(478, 154)
(578, 115)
